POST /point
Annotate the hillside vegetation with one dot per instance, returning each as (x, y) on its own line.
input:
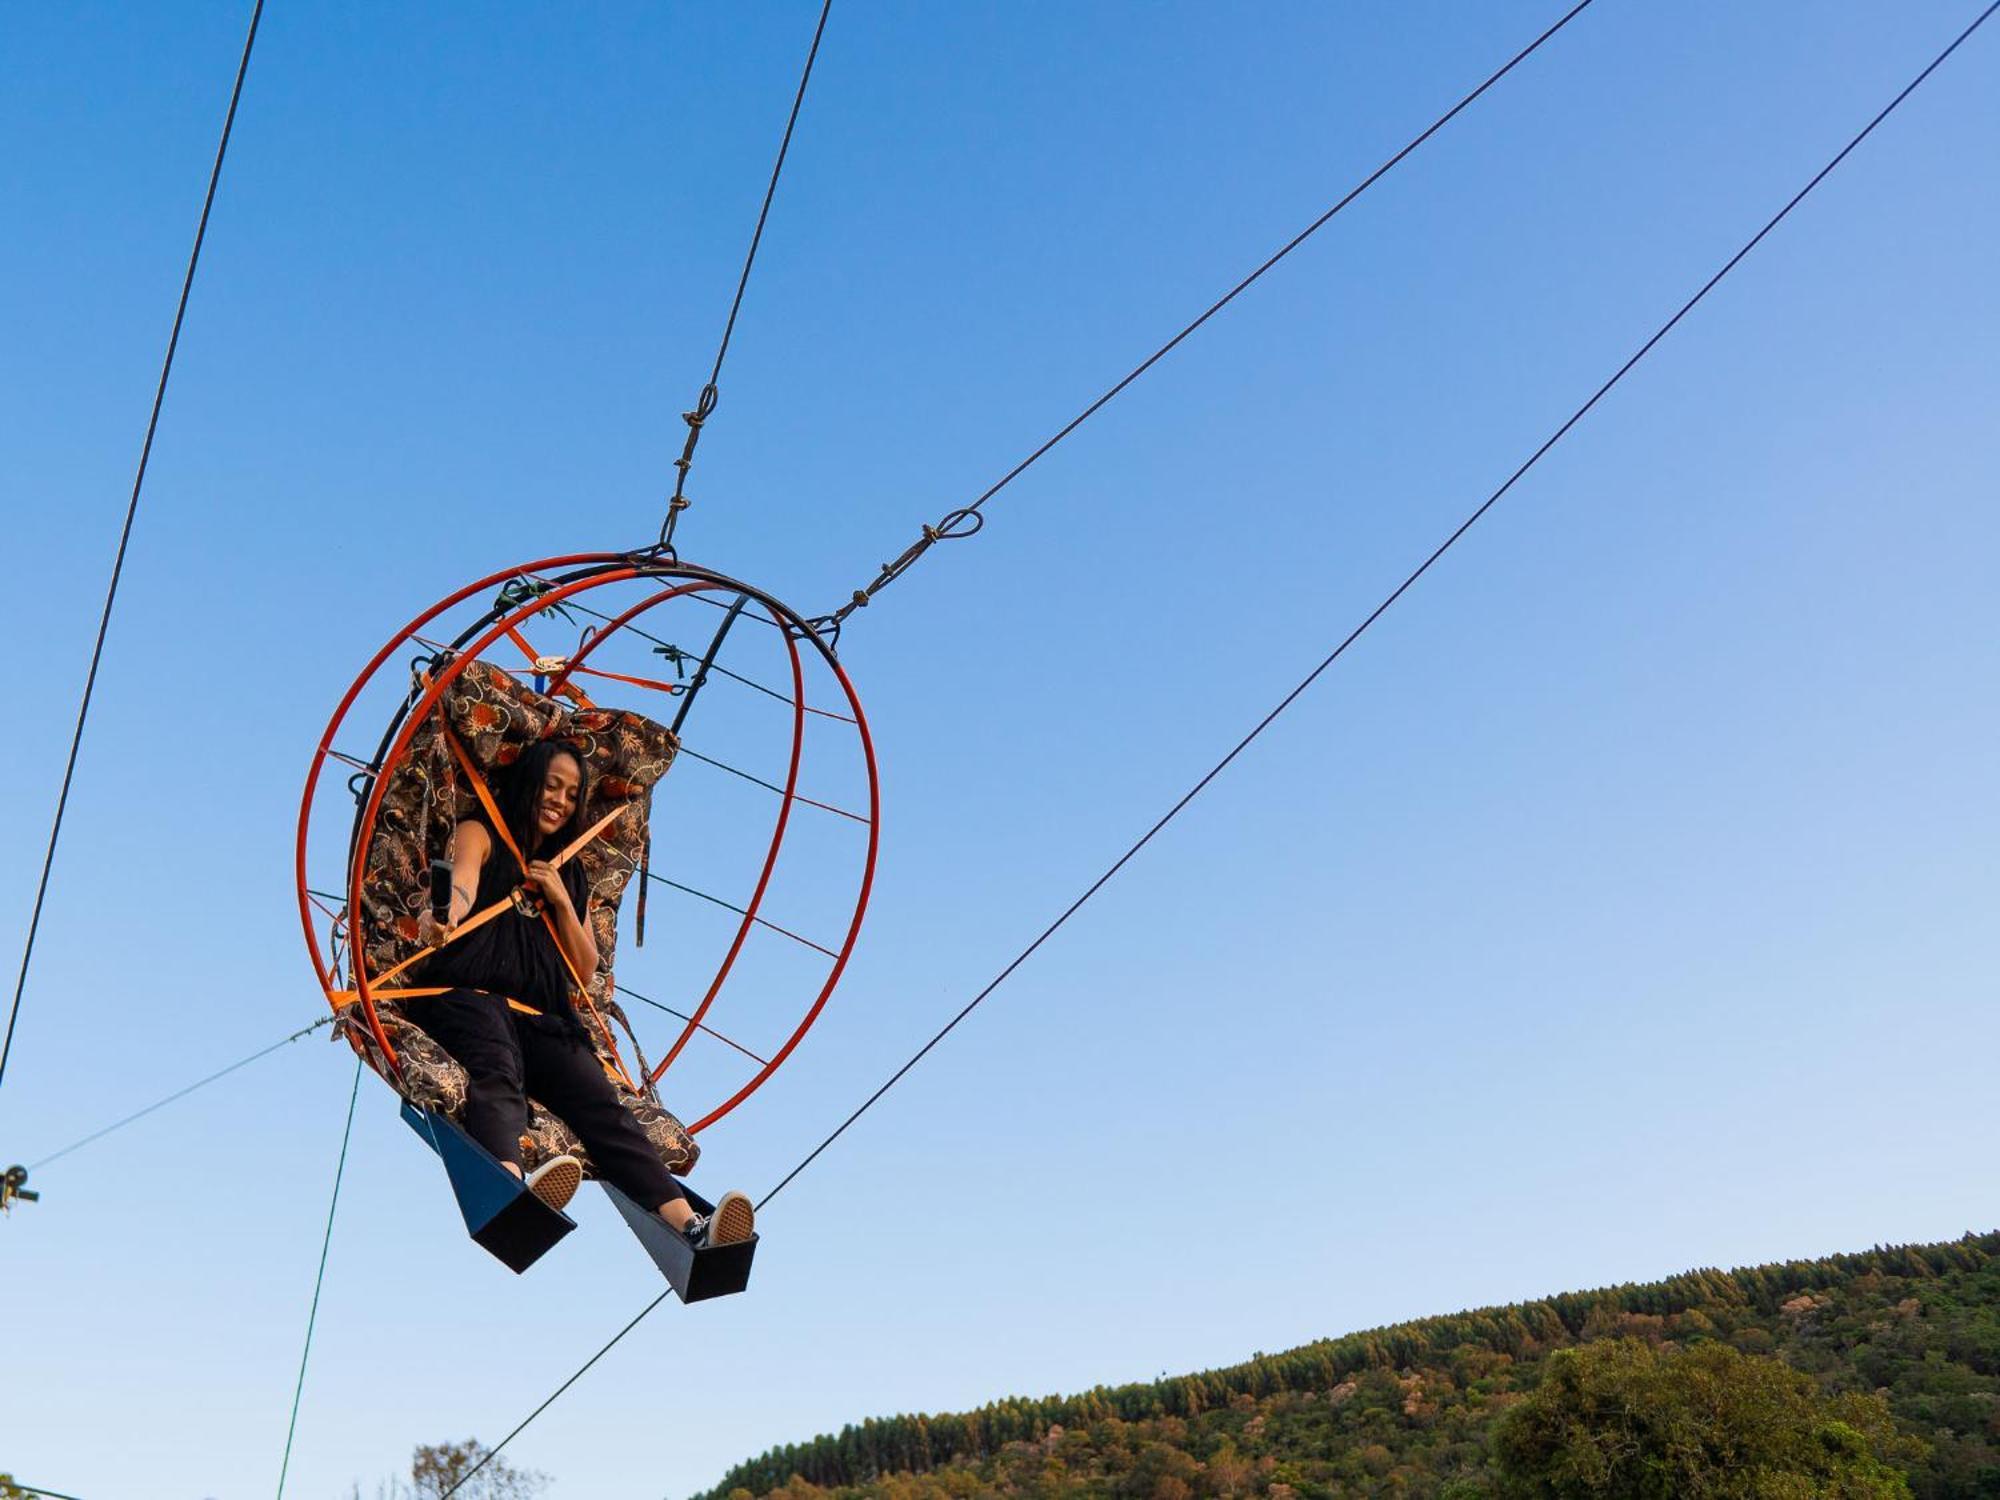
(1856, 1375)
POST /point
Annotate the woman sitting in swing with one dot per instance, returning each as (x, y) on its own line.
(507, 1016)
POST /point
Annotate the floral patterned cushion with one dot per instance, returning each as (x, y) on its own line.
(495, 717)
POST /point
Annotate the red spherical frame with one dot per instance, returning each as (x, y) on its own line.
(580, 573)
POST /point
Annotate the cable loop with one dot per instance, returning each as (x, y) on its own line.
(704, 407)
(955, 525)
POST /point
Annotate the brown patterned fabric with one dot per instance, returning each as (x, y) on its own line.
(495, 717)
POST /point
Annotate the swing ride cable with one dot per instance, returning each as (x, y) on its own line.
(683, 1016)
(125, 537)
(553, 1396)
(312, 1317)
(656, 877)
(1575, 417)
(1382, 608)
(709, 760)
(705, 402)
(967, 520)
(182, 1093)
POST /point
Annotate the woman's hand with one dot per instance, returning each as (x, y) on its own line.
(432, 933)
(545, 880)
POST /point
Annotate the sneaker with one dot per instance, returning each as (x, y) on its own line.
(556, 1180)
(733, 1221)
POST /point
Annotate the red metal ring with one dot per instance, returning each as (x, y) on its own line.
(601, 569)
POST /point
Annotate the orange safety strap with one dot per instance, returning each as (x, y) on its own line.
(470, 924)
(644, 682)
(500, 829)
(344, 998)
(535, 661)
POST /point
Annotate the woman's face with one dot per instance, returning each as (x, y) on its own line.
(558, 798)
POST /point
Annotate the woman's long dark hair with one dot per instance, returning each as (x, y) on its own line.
(518, 790)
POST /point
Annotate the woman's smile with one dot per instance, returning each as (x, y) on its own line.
(559, 790)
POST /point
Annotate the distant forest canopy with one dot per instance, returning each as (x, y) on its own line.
(1411, 1410)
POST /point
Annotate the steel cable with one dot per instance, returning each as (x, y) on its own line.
(705, 403)
(1305, 683)
(1380, 609)
(968, 519)
(125, 537)
(181, 1093)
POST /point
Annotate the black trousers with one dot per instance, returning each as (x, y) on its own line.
(508, 1056)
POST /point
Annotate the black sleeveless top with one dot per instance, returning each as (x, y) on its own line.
(513, 954)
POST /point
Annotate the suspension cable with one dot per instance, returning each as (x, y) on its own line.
(181, 1093)
(967, 520)
(1305, 683)
(1380, 609)
(704, 405)
(312, 1317)
(554, 1395)
(125, 538)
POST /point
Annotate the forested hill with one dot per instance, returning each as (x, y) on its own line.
(1410, 1410)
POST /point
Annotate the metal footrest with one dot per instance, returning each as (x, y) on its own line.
(696, 1275)
(510, 1222)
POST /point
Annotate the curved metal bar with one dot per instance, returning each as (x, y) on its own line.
(367, 673)
(708, 661)
(592, 570)
(860, 902)
(432, 695)
(770, 862)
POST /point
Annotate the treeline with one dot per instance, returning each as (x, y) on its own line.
(1405, 1409)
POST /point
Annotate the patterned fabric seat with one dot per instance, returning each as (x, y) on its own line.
(494, 716)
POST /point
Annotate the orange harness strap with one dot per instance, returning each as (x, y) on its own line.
(472, 923)
(644, 682)
(344, 998)
(535, 661)
(485, 796)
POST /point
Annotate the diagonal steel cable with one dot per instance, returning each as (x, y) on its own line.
(125, 538)
(966, 520)
(1307, 682)
(705, 403)
(180, 1093)
(1380, 609)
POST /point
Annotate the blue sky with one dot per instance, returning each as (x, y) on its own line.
(1621, 904)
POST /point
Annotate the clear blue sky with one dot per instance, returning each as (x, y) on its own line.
(1623, 903)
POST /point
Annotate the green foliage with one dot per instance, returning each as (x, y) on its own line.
(436, 1467)
(12, 1491)
(1623, 1420)
(1411, 1411)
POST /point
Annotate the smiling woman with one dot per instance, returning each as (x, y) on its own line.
(498, 828)
(505, 1013)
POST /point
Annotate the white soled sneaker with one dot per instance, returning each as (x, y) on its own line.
(556, 1180)
(733, 1221)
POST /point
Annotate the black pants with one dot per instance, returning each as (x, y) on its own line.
(508, 1056)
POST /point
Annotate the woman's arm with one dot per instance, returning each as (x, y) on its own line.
(572, 932)
(470, 846)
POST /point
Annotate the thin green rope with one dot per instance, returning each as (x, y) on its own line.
(312, 1317)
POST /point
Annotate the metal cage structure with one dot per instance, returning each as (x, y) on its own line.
(535, 597)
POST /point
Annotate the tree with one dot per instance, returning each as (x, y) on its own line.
(436, 1467)
(1702, 1422)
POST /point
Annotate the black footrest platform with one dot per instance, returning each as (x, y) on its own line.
(695, 1274)
(500, 1213)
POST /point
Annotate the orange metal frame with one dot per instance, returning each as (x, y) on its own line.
(591, 571)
